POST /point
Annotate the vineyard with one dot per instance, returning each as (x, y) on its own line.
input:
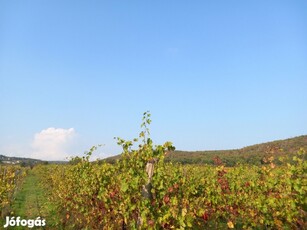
(141, 191)
(170, 196)
(112, 196)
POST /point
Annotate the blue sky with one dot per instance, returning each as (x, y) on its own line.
(214, 74)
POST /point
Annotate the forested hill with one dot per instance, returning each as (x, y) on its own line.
(253, 154)
(18, 160)
(25, 161)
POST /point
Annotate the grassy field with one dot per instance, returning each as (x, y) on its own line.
(30, 202)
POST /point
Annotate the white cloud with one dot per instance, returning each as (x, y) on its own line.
(53, 144)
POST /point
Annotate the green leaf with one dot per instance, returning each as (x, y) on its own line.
(124, 187)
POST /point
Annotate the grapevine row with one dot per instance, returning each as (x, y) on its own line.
(10, 179)
(97, 195)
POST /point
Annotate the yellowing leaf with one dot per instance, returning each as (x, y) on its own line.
(230, 224)
(184, 211)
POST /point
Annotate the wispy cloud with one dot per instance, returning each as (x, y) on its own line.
(53, 143)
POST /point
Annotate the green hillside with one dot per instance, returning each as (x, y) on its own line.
(253, 154)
